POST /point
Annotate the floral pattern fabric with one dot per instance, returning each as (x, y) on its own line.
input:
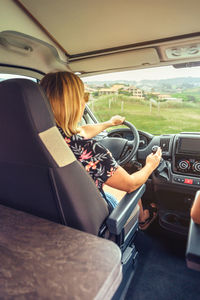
(95, 158)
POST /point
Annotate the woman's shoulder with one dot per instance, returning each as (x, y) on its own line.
(74, 137)
(90, 144)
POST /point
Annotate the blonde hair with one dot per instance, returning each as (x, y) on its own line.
(86, 97)
(65, 92)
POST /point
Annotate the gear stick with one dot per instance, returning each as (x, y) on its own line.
(162, 165)
(154, 149)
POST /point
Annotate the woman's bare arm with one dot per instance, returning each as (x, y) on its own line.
(123, 181)
(89, 131)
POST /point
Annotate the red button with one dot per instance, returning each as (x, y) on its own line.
(188, 181)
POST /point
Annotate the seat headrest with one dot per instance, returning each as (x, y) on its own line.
(24, 113)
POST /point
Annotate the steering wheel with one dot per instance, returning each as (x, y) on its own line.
(120, 148)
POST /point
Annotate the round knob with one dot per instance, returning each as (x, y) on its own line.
(184, 165)
(196, 166)
(154, 149)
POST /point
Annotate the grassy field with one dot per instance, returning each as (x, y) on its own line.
(165, 118)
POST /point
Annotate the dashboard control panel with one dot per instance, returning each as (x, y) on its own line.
(189, 181)
(186, 159)
(187, 165)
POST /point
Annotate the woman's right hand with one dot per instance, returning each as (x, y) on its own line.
(124, 181)
(153, 160)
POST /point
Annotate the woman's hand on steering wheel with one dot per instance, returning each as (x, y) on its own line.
(117, 120)
(122, 149)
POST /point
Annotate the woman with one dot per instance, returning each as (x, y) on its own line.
(195, 210)
(65, 92)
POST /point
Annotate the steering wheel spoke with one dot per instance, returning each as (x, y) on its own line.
(130, 145)
(122, 149)
(124, 152)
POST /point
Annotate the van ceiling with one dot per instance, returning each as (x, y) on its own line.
(87, 25)
(94, 37)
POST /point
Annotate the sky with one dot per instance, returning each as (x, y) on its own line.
(137, 75)
(150, 74)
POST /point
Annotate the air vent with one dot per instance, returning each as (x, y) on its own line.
(143, 142)
(183, 51)
(164, 144)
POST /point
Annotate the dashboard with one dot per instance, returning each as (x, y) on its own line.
(181, 151)
(173, 186)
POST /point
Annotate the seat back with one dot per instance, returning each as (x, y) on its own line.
(38, 172)
(193, 242)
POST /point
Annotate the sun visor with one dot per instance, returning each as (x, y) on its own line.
(126, 59)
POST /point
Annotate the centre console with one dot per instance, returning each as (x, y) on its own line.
(183, 181)
(186, 159)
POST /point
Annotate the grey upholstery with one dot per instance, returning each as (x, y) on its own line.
(193, 247)
(31, 179)
(193, 243)
(40, 175)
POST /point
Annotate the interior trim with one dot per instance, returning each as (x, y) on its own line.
(129, 47)
(27, 12)
(22, 68)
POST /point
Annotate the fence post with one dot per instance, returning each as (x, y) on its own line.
(122, 105)
(109, 103)
(150, 106)
(158, 107)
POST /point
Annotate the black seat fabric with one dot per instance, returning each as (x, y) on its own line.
(38, 172)
(40, 175)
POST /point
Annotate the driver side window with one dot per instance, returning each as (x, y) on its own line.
(11, 76)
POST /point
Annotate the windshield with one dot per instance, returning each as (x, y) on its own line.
(157, 100)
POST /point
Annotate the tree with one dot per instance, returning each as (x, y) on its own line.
(95, 94)
(124, 92)
(149, 96)
(191, 98)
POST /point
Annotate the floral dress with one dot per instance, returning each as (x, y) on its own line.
(96, 159)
